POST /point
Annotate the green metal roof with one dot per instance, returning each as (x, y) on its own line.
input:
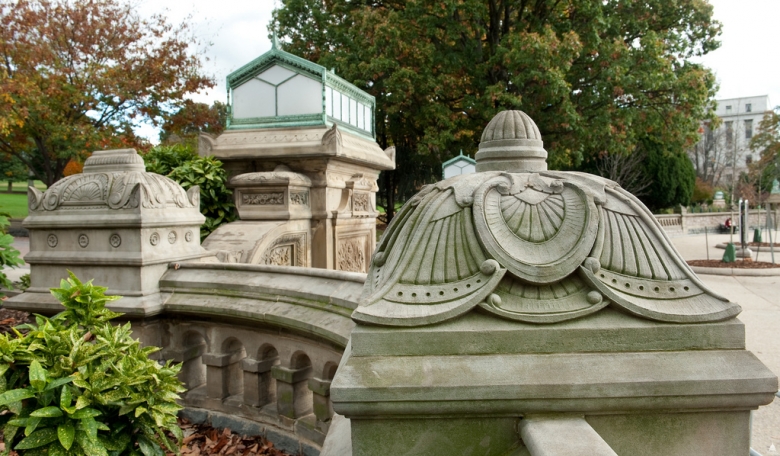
(457, 159)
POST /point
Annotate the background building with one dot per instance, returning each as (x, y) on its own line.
(724, 152)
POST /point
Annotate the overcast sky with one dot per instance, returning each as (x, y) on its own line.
(746, 64)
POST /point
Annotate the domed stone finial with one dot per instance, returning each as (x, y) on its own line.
(511, 142)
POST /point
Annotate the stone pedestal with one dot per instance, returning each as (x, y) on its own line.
(529, 312)
(288, 112)
(116, 224)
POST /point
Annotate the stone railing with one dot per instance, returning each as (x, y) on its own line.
(710, 221)
(259, 345)
(671, 223)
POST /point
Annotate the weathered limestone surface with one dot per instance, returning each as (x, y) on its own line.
(259, 344)
(520, 310)
(115, 223)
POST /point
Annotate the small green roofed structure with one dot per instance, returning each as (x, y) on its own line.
(462, 164)
(279, 89)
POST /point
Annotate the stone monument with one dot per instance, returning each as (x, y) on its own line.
(114, 223)
(524, 311)
(301, 152)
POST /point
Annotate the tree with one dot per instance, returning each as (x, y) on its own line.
(193, 118)
(76, 75)
(596, 75)
(673, 175)
(766, 142)
(711, 156)
(12, 170)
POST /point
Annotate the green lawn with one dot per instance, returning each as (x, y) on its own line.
(14, 204)
(21, 186)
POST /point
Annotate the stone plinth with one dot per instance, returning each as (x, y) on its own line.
(114, 223)
(524, 311)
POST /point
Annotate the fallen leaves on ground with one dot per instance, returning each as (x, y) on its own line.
(201, 439)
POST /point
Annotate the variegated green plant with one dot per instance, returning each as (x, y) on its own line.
(76, 385)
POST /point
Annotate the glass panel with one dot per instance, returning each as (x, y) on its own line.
(344, 108)
(367, 115)
(336, 105)
(353, 112)
(360, 119)
(275, 74)
(329, 101)
(299, 95)
(254, 99)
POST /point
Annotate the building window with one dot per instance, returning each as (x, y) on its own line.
(748, 107)
(728, 109)
(729, 133)
(748, 129)
(748, 159)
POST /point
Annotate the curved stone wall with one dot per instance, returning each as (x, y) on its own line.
(259, 345)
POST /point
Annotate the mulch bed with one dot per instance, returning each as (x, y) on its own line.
(739, 264)
(761, 244)
(199, 439)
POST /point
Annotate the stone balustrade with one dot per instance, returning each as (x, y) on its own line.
(698, 223)
(259, 345)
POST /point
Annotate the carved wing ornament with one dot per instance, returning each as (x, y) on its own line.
(534, 247)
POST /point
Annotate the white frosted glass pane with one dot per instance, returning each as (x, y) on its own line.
(275, 74)
(253, 99)
(360, 120)
(367, 115)
(344, 108)
(451, 171)
(353, 112)
(299, 95)
(468, 169)
(336, 105)
(329, 101)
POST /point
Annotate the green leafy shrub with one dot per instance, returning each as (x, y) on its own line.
(182, 164)
(163, 159)
(76, 385)
(9, 256)
(216, 201)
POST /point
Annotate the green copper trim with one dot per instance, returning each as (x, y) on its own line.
(455, 159)
(297, 120)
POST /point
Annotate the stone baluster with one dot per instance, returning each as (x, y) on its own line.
(220, 373)
(323, 409)
(293, 398)
(258, 382)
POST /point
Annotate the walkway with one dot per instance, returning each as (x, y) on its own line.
(760, 301)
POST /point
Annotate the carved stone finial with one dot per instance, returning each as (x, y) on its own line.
(511, 142)
(119, 160)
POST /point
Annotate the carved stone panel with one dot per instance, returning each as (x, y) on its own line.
(281, 256)
(262, 199)
(351, 254)
(286, 250)
(299, 198)
(361, 202)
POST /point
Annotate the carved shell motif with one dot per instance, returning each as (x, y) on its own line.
(115, 190)
(536, 247)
